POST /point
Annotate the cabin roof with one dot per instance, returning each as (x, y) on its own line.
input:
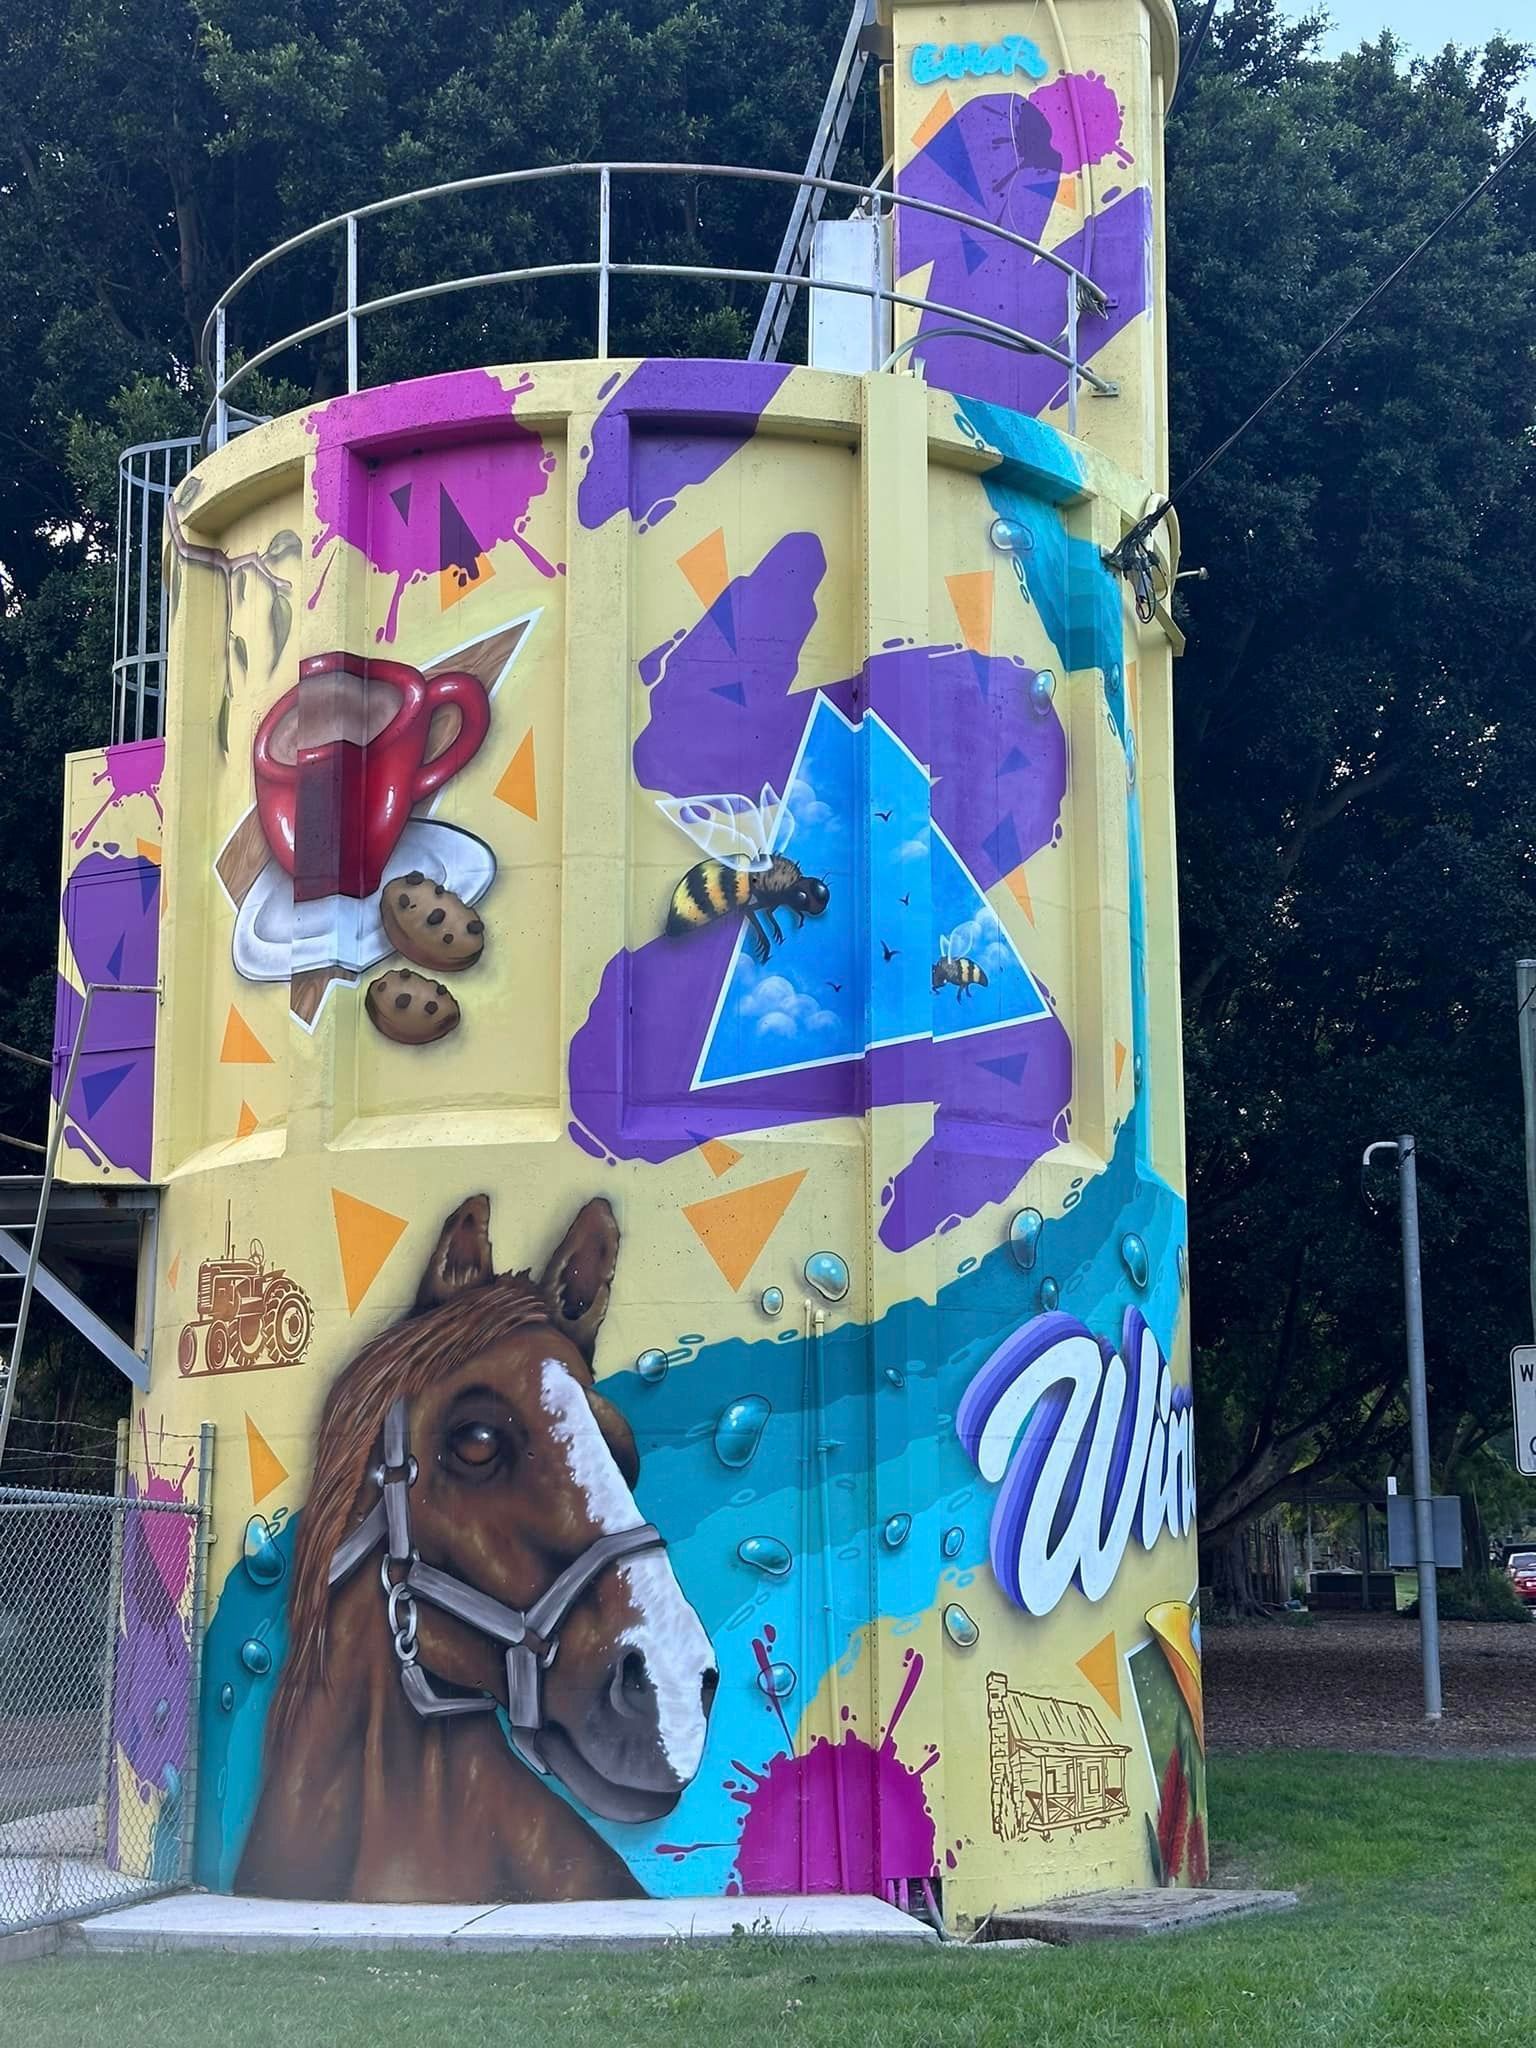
(1035, 1722)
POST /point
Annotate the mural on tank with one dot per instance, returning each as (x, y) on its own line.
(718, 811)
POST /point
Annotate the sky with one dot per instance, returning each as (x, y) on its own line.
(1424, 25)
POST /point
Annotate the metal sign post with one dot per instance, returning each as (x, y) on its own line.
(1522, 1381)
(1418, 1417)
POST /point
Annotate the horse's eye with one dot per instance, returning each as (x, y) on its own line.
(476, 1444)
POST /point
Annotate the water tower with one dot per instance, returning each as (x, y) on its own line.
(658, 1113)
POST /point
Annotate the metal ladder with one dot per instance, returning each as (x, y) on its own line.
(13, 1331)
(859, 44)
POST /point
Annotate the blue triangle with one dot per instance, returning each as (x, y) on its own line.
(1002, 847)
(1014, 760)
(100, 1088)
(723, 612)
(973, 253)
(947, 149)
(115, 959)
(982, 664)
(733, 691)
(1011, 1067)
(149, 884)
(401, 500)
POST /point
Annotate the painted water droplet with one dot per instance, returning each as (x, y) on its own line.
(771, 1301)
(1011, 537)
(959, 1627)
(255, 1656)
(162, 1713)
(1042, 690)
(1181, 1259)
(227, 1697)
(1136, 1071)
(1134, 1254)
(262, 1559)
(1050, 1293)
(766, 1554)
(1130, 760)
(895, 1376)
(739, 1430)
(652, 1367)
(896, 1531)
(1024, 1238)
(828, 1274)
(954, 1542)
(778, 1681)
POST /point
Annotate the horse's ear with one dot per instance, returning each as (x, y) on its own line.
(576, 1280)
(462, 1260)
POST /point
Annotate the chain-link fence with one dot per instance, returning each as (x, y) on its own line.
(100, 1635)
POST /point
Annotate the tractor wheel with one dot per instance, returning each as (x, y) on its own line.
(288, 1323)
(186, 1349)
(247, 1338)
(216, 1346)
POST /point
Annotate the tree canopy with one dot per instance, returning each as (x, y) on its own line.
(1356, 745)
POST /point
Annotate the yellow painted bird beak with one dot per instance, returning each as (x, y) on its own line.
(1173, 1623)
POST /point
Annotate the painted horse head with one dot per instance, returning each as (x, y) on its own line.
(467, 1460)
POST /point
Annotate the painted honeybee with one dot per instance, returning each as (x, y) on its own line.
(953, 970)
(745, 872)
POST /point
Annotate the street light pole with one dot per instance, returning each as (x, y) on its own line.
(1525, 1019)
(1418, 1417)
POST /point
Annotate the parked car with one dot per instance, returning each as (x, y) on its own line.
(1521, 1566)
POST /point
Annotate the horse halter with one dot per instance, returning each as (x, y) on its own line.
(530, 1638)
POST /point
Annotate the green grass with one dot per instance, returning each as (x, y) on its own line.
(1419, 1895)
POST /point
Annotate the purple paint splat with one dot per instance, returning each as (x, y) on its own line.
(133, 769)
(153, 1666)
(1002, 157)
(1085, 120)
(670, 425)
(847, 1818)
(426, 478)
(996, 1096)
(112, 925)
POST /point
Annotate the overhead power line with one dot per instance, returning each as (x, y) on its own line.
(1133, 557)
(1190, 62)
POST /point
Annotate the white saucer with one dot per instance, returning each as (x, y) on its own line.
(276, 937)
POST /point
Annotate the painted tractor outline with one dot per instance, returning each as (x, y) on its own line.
(253, 1313)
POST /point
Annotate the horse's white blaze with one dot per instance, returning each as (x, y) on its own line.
(667, 1632)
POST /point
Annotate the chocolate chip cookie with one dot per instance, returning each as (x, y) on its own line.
(429, 924)
(412, 1009)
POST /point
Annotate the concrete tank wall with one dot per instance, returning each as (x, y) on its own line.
(894, 1268)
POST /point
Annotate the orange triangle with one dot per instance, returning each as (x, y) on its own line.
(1119, 1061)
(1018, 888)
(173, 1272)
(942, 110)
(267, 1469)
(519, 783)
(1101, 1668)
(971, 596)
(365, 1237)
(733, 1229)
(248, 1121)
(1066, 193)
(454, 585)
(718, 1156)
(149, 849)
(241, 1047)
(705, 567)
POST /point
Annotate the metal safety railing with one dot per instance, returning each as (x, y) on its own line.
(603, 267)
(146, 477)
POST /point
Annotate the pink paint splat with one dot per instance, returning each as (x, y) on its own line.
(847, 1818)
(424, 479)
(168, 1538)
(133, 769)
(1085, 119)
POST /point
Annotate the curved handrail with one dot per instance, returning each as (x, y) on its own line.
(1083, 293)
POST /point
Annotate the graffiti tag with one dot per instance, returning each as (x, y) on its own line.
(1089, 1447)
(931, 61)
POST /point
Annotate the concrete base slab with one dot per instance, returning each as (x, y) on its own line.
(205, 1920)
(1115, 1915)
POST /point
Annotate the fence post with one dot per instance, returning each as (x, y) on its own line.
(220, 371)
(107, 1762)
(1072, 381)
(604, 251)
(202, 1543)
(351, 301)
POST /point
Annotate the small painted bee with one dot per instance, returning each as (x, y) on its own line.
(745, 872)
(953, 970)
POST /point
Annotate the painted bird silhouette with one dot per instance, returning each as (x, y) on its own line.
(884, 817)
(890, 952)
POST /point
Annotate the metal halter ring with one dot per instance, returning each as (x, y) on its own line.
(404, 1632)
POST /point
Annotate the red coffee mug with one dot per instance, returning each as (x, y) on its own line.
(339, 761)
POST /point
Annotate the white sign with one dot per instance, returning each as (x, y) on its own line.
(1522, 1378)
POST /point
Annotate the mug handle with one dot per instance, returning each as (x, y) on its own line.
(467, 694)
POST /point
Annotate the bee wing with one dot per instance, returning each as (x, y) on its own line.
(778, 820)
(944, 949)
(961, 940)
(726, 828)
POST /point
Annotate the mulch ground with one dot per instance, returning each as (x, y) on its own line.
(1353, 1682)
